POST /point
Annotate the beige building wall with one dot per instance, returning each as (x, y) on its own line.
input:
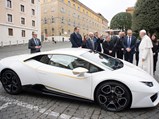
(16, 25)
(67, 14)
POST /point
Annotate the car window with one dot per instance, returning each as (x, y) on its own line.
(42, 58)
(104, 60)
(63, 61)
(45, 59)
(70, 62)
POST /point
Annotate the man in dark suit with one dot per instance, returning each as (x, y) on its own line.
(129, 46)
(98, 40)
(76, 38)
(90, 43)
(108, 46)
(34, 44)
(119, 45)
(113, 37)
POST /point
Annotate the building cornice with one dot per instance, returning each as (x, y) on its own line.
(20, 27)
(98, 14)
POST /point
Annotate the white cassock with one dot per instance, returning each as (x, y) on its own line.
(145, 52)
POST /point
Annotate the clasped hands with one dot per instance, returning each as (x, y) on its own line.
(37, 47)
(128, 49)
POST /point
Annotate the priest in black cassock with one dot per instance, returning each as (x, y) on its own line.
(108, 46)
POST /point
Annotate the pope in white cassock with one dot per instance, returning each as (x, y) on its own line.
(145, 53)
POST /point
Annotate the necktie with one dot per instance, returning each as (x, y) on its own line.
(129, 41)
(36, 42)
(78, 36)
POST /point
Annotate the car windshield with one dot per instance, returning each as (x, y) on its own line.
(103, 60)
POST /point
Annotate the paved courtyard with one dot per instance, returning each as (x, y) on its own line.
(36, 106)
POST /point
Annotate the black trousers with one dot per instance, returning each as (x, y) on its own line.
(34, 51)
(129, 56)
(155, 59)
(112, 54)
(137, 58)
(119, 54)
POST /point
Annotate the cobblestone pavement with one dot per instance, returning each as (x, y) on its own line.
(36, 106)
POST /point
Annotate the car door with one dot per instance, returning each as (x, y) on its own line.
(58, 75)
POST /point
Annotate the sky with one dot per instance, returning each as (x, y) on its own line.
(108, 8)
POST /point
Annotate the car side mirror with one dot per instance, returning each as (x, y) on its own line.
(80, 71)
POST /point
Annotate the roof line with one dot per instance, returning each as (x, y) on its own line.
(99, 14)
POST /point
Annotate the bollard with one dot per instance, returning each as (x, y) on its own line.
(2, 43)
(9, 43)
(17, 42)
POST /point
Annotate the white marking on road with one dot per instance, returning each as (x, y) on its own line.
(32, 107)
(64, 116)
(51, 113)
(75, 118)
(4, 106)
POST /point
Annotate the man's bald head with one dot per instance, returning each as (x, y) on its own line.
(129, 32)
(121, 34)
(91, 35)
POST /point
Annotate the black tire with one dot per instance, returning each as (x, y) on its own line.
(113, 96)
(11, 82)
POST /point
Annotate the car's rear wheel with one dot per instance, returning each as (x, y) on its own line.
(11, 82)
(113, 96)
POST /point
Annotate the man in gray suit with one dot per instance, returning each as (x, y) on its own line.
(34, 44)
(90, 43)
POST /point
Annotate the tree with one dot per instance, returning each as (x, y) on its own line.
(146, 16)
(122, 21)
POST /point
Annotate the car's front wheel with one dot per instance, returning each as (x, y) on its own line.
(11, 82)
(113, 96)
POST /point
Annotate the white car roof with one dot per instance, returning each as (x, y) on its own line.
(68, 51)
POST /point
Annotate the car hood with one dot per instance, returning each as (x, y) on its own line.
(134, 72)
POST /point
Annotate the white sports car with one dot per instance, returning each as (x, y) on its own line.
(81, 74)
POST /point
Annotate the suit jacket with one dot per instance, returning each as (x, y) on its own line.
(98, 42)
(155, 48)
(114, 39)
(137, 46)
(32, 44)
(84, 44)
(132, 44)
(107, 46)
(89, 44)
(119, 44)
(76, 40)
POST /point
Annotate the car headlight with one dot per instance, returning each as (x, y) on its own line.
(150, 84)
